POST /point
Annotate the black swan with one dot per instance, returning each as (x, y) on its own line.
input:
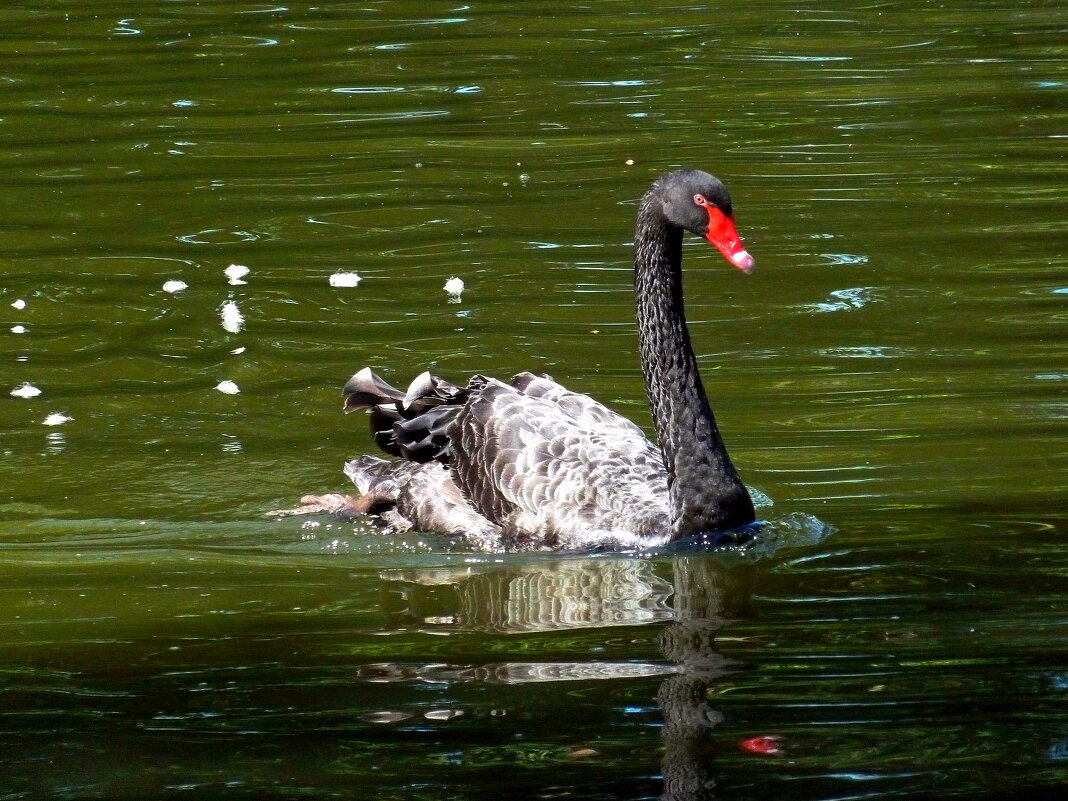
(528, 464)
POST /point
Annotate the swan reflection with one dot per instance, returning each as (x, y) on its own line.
(512, 672)
(692, 597)
(558, 594)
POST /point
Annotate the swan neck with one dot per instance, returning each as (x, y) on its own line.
(705, 492)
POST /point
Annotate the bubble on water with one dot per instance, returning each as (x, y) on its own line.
(227, 387)
(344, 279)
(235, 272)
(26, 390)
(174, 286)
(232, 319)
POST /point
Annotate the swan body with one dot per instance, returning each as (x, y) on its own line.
(528, 463)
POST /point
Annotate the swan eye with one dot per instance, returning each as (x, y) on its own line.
(699, 199)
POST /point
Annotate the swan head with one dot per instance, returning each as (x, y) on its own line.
(700, 203)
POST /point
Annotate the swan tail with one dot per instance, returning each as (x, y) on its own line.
(366, 388)
(413, 424)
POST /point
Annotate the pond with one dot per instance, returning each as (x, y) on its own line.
(892, 377)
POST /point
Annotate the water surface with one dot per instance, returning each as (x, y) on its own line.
(894, 369)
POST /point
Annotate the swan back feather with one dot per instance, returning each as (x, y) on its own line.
(531, 457)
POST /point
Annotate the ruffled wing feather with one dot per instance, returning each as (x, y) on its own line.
(542, 461)
(545, 464)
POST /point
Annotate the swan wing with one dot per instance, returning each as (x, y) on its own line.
(541, 462)
(535, 458)
(582, 408)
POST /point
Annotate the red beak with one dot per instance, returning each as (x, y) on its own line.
(722, 234)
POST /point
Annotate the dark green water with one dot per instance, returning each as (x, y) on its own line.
(896, 368)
